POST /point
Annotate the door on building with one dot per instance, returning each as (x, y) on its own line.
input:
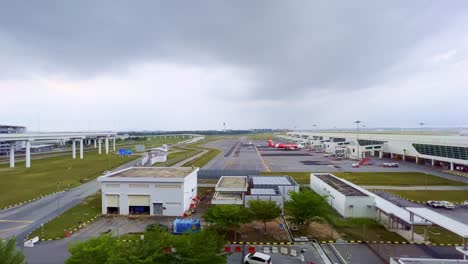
(139, 204)
(112, 204)
(157, 208)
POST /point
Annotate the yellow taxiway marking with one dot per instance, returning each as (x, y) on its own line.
(15, 221)
(13, 228)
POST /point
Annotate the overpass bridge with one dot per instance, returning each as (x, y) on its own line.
(74, 137)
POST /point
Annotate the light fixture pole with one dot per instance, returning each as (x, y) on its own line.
(357, 122)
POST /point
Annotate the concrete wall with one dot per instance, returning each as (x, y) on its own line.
(190, 189)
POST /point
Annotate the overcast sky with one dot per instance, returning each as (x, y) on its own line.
(162, 65)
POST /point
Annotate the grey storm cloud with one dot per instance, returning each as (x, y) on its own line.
(288, 47)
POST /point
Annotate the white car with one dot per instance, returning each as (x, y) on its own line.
(446, 205)
(257, 258)
(465, 202)
(355, 165)
(435, 204)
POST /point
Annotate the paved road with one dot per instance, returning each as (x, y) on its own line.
(22, 220)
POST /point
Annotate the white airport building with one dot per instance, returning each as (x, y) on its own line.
(345, 199)
(447, 152)
(168, 191)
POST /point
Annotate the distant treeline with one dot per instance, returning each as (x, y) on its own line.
(203, 132)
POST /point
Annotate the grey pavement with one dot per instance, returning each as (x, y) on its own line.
(381, 253)
(235, 155)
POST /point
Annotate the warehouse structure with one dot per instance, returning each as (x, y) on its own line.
(447, 152)
(167, 191)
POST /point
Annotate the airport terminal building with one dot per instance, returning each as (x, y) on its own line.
(149, 191)
(446, 152)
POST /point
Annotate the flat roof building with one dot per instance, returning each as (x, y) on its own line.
(347, 200)
(149, 190)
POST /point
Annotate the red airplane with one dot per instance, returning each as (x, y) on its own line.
(284, 146)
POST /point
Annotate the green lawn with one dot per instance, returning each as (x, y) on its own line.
(175, 157)
(299, 177)
(204, 159)
(85, 211)
(423, 196)
(439, 235)
(260, 136)
(396, 178)
(47, 175)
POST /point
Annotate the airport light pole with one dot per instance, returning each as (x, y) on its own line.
(357, 122)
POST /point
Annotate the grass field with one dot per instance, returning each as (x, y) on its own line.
(175, 157)
(439, 235)
(423, 196)
(396, 179)
(260, 136)
(48, 175)
(204, 159)
(56, 228)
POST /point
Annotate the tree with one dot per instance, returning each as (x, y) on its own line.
(227, 216)
(264, 211)
(9, 254)
(305, 206)
(157, 246)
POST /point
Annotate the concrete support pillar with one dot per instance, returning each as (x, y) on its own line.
(74, 149)
(89, 142)
(417, 160)
(113, 144)
(81, 148)
(391, 155)
(452, 166)
(412, 233)
(99, 149)
(426, 230)
(403, 158)
(95, 143)
(107, 145)
(28, 154)
(433, 163)
(380, 154)
(12, 155)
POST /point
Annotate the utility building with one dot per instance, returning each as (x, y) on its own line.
(149, 190)
(344, 198)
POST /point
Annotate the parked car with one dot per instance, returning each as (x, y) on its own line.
(355, 165)
(390, 165)
(465, 202)
(447, 205)
(435, 204)
(257, 258)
